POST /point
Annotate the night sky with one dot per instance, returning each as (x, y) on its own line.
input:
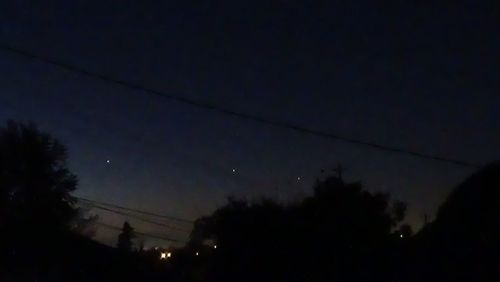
(418, 76)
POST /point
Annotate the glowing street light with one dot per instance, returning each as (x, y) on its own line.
(164, 255)
(197, 254)
(215, 246)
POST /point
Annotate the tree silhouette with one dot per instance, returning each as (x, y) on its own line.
(35, 183)
(330, 235)
(125, 238)
(472, 209)
(462, 243)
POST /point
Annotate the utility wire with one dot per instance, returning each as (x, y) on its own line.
(140, 218)
(230, 112)
(181, 220)
(154, 236)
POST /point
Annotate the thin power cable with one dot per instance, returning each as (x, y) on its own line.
(173, 218)
(154, 236)
(230, 112)
(140, 218)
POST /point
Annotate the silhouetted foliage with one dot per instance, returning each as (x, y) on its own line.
(35, 183)
(463, 242)
(472, 210)
(329, 235)
(125, 237)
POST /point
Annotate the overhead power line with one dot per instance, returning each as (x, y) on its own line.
(230, 112)
(150, 235)
(140, 218)
(173, 218)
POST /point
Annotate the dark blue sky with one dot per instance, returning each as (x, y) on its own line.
(418, 76)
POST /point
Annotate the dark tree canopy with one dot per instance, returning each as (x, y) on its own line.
(463, 242)
(473, 208)
(35, 183)
(125, 238)
(325, 236)
(346, 212)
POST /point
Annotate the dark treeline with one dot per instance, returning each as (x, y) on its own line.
(343, 233)
(332, 235)
(339, 233)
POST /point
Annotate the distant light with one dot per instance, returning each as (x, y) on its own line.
(197, 253)
(169, 254)
(108, 161)
(215, 246)
(401, 236)
(163, 255)
(234, 170)
(298, 178)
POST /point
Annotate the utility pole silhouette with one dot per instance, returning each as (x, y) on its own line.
(426, 218)
(339, 170)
